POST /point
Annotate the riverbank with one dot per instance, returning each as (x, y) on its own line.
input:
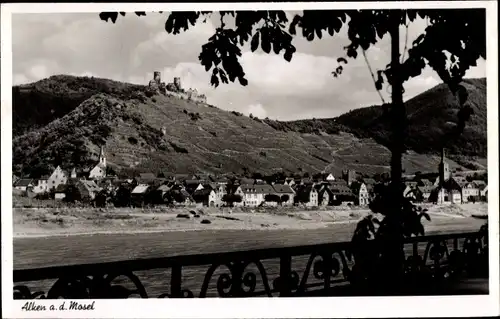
(47, 222)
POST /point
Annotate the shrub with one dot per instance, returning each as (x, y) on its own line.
(231, 199)
(195, 116)
(132, 140)
(136, 118)
(272, 198)
(178, 149)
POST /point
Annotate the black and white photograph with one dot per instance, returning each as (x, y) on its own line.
(259, 151)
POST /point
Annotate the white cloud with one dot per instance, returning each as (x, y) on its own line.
(305, 74)
(163, 46)
(39, 71)
(257, 110)
(19, 79)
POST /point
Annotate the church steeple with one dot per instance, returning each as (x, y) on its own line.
(102, 157)
(444, 169)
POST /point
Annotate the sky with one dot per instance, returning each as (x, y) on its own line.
(130, 50)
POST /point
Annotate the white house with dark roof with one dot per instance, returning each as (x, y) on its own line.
(307, 195)
(483, 191)
(425, 191)
(284, 190)
(23, 184)
(206, 197)
(58, 177)
(41, 185)
(253, 195)
(360, 190)
(470, 192)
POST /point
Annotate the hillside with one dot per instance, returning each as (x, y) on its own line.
(37, 104)
(429, 114)
(175, 135)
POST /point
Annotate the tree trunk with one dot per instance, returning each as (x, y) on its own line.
(393, 253)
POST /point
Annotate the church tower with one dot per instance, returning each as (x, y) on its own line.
(444, 169)
(102, 157)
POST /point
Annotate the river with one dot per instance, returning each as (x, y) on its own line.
(78, 249)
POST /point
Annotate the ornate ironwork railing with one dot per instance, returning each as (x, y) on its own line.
(291, 271)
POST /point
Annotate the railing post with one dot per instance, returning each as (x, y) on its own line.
(327, 270)
(176, 281)
(285, 275)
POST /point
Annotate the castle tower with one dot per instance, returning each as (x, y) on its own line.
(157, 77)
(444, 169)
(349, 176)
(102, 157)
(177, 83)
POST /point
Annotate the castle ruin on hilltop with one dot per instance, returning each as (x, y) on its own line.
(174, 89)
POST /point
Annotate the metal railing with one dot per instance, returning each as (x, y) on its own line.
(290, 271)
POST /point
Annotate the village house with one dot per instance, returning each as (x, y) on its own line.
(219, 190)
(360, 191)
(163, 190)
(447, 189)
(483, 192)
(307, 195)
(192, 185)
(187, 198)
(328, 177)
(425, 182)
(411, 184)
(425, 192)
(87, 189)
(325, 195)
(15, 178)
(41, 185)
(253, 195)
(107, 183)
(449, 192)
(23, 184)
(99, 171)
(60, 192)
(283, 191)
(324, 177)
(206, 197)
(470, 192)
(410, 192)
(342, 194)
(138, 195)
(290, 181)
(58, 177)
